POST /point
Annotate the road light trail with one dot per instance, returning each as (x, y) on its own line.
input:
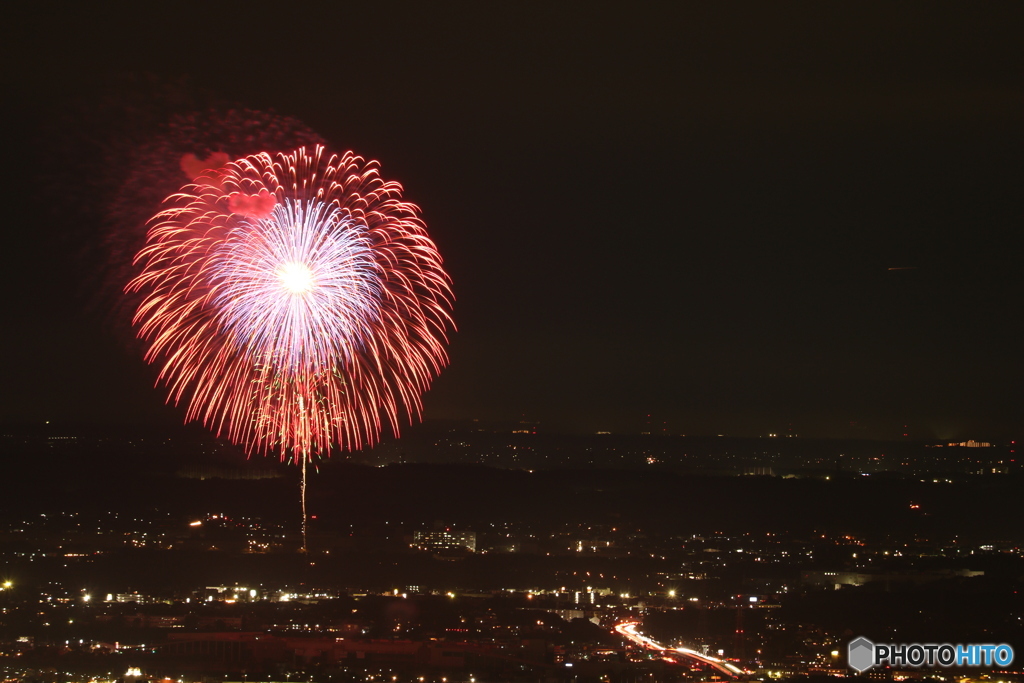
(628, 630)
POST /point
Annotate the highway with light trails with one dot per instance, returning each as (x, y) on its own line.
(628, 629)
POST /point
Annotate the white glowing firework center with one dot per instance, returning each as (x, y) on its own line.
(298, 289)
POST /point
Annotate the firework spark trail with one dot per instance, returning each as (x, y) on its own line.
(294, 301)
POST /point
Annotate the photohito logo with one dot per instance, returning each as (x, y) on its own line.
(862, 654)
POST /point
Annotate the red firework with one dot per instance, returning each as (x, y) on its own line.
(293, 301)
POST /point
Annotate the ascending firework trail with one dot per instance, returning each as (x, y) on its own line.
(293, 301)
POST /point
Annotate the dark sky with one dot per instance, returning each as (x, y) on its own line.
(689, 210)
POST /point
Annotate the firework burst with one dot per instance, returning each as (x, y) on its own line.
(293, 301)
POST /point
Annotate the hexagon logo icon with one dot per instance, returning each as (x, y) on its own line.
(860, 654)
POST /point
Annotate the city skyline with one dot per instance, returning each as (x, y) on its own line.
(800, 219)
(165, 566)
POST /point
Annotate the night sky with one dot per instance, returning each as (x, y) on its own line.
(739, 219)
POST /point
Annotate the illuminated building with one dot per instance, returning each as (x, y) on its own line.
(445, 540)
